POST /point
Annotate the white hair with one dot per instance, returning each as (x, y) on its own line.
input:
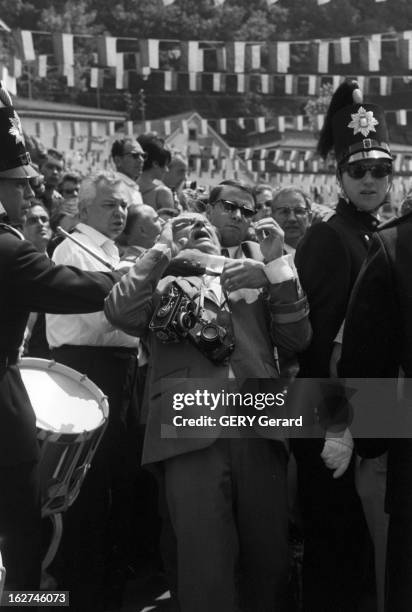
(89, 185)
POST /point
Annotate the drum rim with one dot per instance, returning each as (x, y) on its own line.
(37, 363)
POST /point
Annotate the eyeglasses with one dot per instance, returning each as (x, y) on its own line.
(229, 207)
(142, 156)
(358, 170)
(39, 219)
(286, 211)
(74, 191)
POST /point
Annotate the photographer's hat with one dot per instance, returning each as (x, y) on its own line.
(15, 162)
(354, 129)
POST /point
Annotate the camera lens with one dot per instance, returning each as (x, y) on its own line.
(209, 332)
(186, 320)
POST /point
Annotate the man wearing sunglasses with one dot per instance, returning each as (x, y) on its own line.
(128, 158)
(328, 260)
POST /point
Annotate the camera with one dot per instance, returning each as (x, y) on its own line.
(175, 315)
(213, 341)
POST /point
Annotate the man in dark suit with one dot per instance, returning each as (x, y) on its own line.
(226, 496)
(29, 282)
(377, 343)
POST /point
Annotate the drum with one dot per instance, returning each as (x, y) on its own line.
(71, 416)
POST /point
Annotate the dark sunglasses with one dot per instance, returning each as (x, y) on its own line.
(229, 206)
(358, 170)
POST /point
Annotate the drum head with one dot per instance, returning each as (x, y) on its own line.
(64, 401)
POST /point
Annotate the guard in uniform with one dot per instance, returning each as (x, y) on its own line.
(377, 343)
(328, 261)
(29, 282)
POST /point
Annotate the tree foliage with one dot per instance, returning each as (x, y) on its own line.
(250, 20)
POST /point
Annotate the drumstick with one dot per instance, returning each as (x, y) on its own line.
(85, 248)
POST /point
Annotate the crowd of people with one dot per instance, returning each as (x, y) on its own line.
(154, 288)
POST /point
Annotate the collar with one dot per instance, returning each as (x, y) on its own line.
(126, 179)
(348, 210)
(94, 235)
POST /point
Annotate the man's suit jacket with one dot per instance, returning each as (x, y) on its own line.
(258, 322)
(377, 341)
(31, 282)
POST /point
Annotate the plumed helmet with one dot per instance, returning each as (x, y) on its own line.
(354, 129)
(15, 162)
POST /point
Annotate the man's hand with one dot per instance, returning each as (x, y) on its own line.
(337, 452)
(243, 274)
(167, 237)
(271, 238)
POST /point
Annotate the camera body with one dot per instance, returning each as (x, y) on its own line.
(177, 317)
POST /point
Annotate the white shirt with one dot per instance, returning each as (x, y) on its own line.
(86, 329)
(132, 188)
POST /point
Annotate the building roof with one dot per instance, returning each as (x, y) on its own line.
(47, 109)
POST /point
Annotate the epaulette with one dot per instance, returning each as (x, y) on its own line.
(395, 221)
(11, 230)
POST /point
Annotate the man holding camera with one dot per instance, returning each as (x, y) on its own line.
(226, 495)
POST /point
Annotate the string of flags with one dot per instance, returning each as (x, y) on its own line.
(240, 59)
(268, 2)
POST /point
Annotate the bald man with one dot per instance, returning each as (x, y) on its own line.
(142, 229)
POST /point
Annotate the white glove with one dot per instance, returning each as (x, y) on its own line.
(337, 452)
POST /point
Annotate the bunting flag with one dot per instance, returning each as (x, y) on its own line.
(149, 51)
(279, 56)
(147, 126)
(24, 39)
(290, 84)
(342, 52)
(336, 81)
(107, 51)
(221, 59)
(129, 128)
(94, 78)
(320, 56)
(322, 2)
(167, 2)
(271, 2)
(299, 122)
(401, 118)
(191, 56)
(405, 49)
(119, 71)
(241, 122)
(93, 129)
(260, 125)
(63, 49)
(9, 81)
(39, 129)
(185, 127)
(370, 54)
(241, 83)
(223, 126)
(167, 127)
(281, 124)
(264, 83)
(312, 85)
(41, 66)
(75, 128)
(110, 128)
(235, 57)
(203, 127)
(217, 82)
(218, 2)
(253, 57)
(16, 67)
(170, 80)
(195, 81)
